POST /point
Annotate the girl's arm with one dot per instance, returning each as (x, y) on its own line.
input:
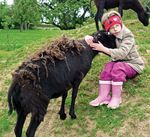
(124, 48)
(118, 53)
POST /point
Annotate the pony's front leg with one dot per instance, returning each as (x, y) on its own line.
(76, 84)
(62, 109)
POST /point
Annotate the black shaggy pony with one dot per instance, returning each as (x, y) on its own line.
(49, 74)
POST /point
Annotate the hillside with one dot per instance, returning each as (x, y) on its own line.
(132, 119)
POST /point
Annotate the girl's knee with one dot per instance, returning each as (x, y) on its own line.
(118, 73)
(105, 75)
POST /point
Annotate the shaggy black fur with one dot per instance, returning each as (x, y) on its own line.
(49, 74)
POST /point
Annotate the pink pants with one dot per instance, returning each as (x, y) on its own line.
(117, 72)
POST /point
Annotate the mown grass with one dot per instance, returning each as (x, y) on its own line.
(136, 95)
(14, 39)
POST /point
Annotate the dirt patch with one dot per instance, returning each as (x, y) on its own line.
(148, 51)
(101, 134)
(0, 86)
(135, 128)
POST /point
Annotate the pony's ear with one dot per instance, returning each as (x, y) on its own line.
(95, 40)
(147, 9)
(95, 37)
(107, 33)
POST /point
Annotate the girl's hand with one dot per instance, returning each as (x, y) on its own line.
(94, 46)
(97, 46)
(89, 39)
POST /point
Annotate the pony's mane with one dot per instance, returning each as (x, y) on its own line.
(56, 50)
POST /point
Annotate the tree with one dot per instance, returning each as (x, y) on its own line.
(5, 15)
(147, 2)
(65, 14)
(26, 12)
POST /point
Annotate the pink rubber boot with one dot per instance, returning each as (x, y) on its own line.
(116, 95)
(103, 97)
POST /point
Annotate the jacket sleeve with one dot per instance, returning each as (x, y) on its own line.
(124, 48)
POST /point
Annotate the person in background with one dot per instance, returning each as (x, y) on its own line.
(125, 61)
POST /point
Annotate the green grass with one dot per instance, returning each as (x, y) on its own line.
(6, 122)
(16, 47)
(14, 39)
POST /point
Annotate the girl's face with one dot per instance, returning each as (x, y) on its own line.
(115, 29)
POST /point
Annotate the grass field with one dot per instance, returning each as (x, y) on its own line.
(132, 119)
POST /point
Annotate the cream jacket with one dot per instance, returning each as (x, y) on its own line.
(126, 50)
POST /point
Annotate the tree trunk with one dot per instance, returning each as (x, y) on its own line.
(83, 15)
(25, 26)
(21, 26)
(28, 25)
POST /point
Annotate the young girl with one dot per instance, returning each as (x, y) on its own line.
(125, 61)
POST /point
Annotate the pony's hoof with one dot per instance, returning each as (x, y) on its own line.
(63, 116)
(73, 116)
